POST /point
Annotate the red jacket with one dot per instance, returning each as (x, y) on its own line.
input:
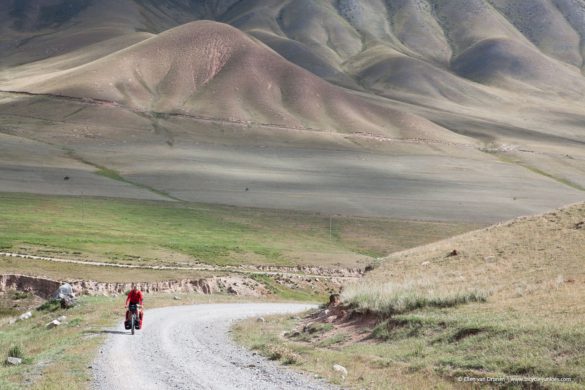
(134, 296)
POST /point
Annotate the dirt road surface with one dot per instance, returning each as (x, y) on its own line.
(188, 347)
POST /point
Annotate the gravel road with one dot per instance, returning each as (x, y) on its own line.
(188, 347)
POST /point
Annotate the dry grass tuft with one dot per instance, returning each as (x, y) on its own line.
(395, 298)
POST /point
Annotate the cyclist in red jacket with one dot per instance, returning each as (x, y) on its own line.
(135, 297)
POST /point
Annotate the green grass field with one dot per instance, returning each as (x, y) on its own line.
(147, 232)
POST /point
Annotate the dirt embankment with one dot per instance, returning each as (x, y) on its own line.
(46, 287)
(235, 285)
(41, 287)
(307, 270)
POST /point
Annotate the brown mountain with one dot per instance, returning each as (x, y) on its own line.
(483, 97)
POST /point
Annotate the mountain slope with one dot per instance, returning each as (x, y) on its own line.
(211, 70)
(483, 98)
(536, 43)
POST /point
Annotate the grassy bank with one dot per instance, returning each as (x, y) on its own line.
(147, 232)
(429, 348)
(505, 302)
(57, 358)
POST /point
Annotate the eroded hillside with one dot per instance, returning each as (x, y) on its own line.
(484, 96)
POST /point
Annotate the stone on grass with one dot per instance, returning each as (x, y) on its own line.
(65, 294)
(53, 324)
(62, 319)
(64, 291)
(13, 361)
(25, 316)
(340, 369)
(260, 319)
(177, 298)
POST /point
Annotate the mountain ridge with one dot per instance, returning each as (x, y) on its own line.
(356, 75)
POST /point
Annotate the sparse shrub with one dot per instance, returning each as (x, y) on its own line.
(75, 322)
(50, 306)
(398, 328)
(257, 346)
(8, 311)
(304, 337)
(282, 353)
(291, 358)
(382, 363)
(382, 331)
(21, 295)
(337, 339)
(317, 327)
(418, 349)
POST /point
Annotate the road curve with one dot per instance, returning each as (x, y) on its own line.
(188, 347)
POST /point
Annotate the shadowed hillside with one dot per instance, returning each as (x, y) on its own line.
(483, 95)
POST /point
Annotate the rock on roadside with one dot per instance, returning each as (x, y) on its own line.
(64, 291)
(14, 361)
